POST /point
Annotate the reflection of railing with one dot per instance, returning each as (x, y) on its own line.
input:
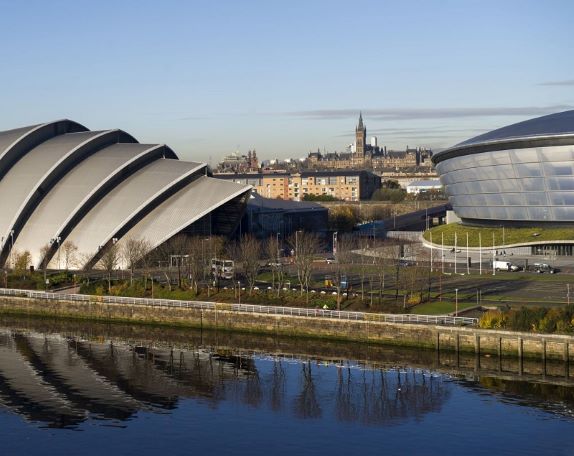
(275, 310)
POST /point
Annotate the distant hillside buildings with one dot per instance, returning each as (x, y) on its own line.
(371, 156)
(348, 176)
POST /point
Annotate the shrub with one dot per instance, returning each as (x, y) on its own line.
(493, 319)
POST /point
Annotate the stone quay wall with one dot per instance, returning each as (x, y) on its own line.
(221, 317)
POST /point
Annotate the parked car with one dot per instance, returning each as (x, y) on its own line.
(540, 268)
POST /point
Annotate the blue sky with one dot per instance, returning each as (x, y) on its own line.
(285, 77)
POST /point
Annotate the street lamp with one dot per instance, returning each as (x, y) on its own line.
(456, 302)
(278, 249)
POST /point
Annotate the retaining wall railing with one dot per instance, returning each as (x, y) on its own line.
(250, 308)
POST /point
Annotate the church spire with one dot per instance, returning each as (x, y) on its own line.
(360, 120)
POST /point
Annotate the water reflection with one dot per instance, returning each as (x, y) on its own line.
(61, 375)
(62, 381)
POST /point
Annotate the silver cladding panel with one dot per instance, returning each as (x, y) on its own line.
(28, 173)
(185, 207)
(533, 184)
(65, 198)
(120, 205)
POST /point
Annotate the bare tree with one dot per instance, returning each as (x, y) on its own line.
(249, 253)
(363, 246)
(109, 261)
(380, 262)
(177, 250)
(272, 254)
(343, 257)
(70, 251)
(133, 251)
(196, 261)
(305, 246)
(44, 262)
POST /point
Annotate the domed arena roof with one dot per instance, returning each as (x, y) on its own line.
(61, 182)
(557, 128)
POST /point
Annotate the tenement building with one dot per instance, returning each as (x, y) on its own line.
(347, 185)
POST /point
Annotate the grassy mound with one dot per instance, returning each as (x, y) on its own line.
(501, 236)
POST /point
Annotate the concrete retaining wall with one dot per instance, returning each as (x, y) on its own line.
(462, 339)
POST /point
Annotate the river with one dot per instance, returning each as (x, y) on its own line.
(79, 388)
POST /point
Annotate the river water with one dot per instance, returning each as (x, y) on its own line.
(70, 388)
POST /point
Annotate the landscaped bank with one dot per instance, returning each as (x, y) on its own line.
(488, 236)
(353, 327)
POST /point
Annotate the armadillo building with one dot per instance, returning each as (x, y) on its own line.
(61, 182)
(522, 174)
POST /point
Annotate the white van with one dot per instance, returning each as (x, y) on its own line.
(504, 266)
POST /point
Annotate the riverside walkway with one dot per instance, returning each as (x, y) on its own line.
(446, 320)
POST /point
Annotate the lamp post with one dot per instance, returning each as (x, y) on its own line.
(278, 245)
(58, 239)
(456, 302)
(11, 246)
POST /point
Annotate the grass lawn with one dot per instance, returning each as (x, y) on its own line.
(511, 235)
(440, 308)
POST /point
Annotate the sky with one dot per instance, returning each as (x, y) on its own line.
(285, 77)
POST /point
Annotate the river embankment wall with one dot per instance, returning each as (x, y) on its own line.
(221, 317)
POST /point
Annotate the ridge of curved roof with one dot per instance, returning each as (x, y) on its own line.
(540, 129)
(559, 123)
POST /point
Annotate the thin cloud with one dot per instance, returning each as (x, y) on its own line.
(415, 131)
(567, 82)
(427, 113)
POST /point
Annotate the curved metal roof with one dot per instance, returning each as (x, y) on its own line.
(35, 173)
(14, 144)
(59, 180)
(69, 196)
(126, 201)
(557, 128)
(9, 137)
(182, 209)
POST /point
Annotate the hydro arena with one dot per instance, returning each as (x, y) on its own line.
(519, 175)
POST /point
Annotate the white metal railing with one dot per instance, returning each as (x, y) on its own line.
(251, 308)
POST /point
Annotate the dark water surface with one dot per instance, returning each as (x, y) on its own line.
(68, 388)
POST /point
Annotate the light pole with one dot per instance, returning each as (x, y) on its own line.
(11, 246)
(238, 292)
(334, 242)
(58, 239)
(456, 302)
(278, 245)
